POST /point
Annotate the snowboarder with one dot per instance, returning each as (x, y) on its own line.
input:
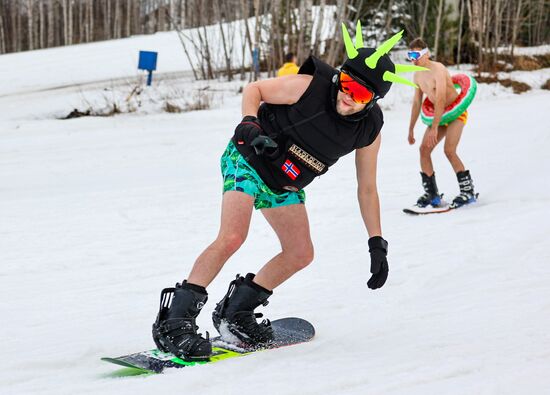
(293, 129)
(440, 90)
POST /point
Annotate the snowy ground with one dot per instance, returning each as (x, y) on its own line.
(97, 215)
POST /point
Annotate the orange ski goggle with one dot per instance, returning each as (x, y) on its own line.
(355, 88)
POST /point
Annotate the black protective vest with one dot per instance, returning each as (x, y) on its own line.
(311, 135)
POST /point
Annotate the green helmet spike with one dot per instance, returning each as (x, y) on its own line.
(350, 48)
(391, 77)
(358, 35)
(405, 68)
(383, 49)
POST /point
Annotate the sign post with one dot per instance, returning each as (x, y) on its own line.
(148, 61)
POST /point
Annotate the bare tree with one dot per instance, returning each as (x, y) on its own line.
(424, 15)
(30, 25)
(18, 26)
(227, 46)
(438, 27)
(316, 37)
(2, 33)
(334, 51)
(459, 43)
(304, 28)
(389, 17)
(515, 25)
(496, 32)
(51, 26)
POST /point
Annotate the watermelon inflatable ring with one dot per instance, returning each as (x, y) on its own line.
(467, 90)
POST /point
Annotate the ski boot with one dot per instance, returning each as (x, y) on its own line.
(431, 195)
(234, 314)
(175, 329)
(467, 194)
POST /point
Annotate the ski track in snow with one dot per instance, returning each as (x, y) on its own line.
(97, 215)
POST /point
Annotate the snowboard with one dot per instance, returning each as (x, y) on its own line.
(444, 207)
(287, 332)
(417, 210)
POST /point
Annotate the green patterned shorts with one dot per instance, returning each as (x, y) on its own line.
(238, 175)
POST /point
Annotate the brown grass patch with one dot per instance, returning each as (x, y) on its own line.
(523, 62)
(546, 85)
(544, 60)
(172, 108)
(487, 80)
(518, 87)
(526, 63)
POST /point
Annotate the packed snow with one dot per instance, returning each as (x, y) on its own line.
(97, 215)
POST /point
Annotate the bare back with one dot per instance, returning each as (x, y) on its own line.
(427, 81)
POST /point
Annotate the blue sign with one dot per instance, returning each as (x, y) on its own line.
(147, 60)
(256, 60)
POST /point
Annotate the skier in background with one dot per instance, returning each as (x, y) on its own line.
(293, 129)
(289, 67)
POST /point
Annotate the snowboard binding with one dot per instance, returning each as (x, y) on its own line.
(467, 194)
(234, 315)
(431, 196)
(175, 329)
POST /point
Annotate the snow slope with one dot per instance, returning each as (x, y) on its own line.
(97, 215)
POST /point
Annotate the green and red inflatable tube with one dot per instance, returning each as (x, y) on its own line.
(467, 90)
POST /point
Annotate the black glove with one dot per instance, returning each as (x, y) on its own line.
(378, 248)
(247, 130)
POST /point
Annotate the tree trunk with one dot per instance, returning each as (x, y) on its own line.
(486, 27)
(91, 21)
(508, 20)
(70, 21)
(438, 27)
(276, 35)
(51, 31)
(336, 43)
(496, 33)
(246, 13)
(257, 30)
(117, 23)
(316, 38)
(424, 15)
(515, 26)
(389, 18)
(30, 25)
(107, 21)
(128, 25)
(2, 32)
(460, 20)
(17, 28)
(226, 50)
(304, 34)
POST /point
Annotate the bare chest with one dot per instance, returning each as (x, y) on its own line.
(427, 85)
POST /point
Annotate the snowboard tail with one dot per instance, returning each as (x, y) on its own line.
(444, 207)
(287, 332)
(417, 210)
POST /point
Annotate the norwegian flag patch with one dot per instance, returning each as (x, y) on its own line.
(290, 169)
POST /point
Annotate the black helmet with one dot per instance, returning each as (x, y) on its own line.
(373, 65)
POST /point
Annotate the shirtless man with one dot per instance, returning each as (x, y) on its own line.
(440, 90)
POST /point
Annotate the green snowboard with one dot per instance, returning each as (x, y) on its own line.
(287, 332)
